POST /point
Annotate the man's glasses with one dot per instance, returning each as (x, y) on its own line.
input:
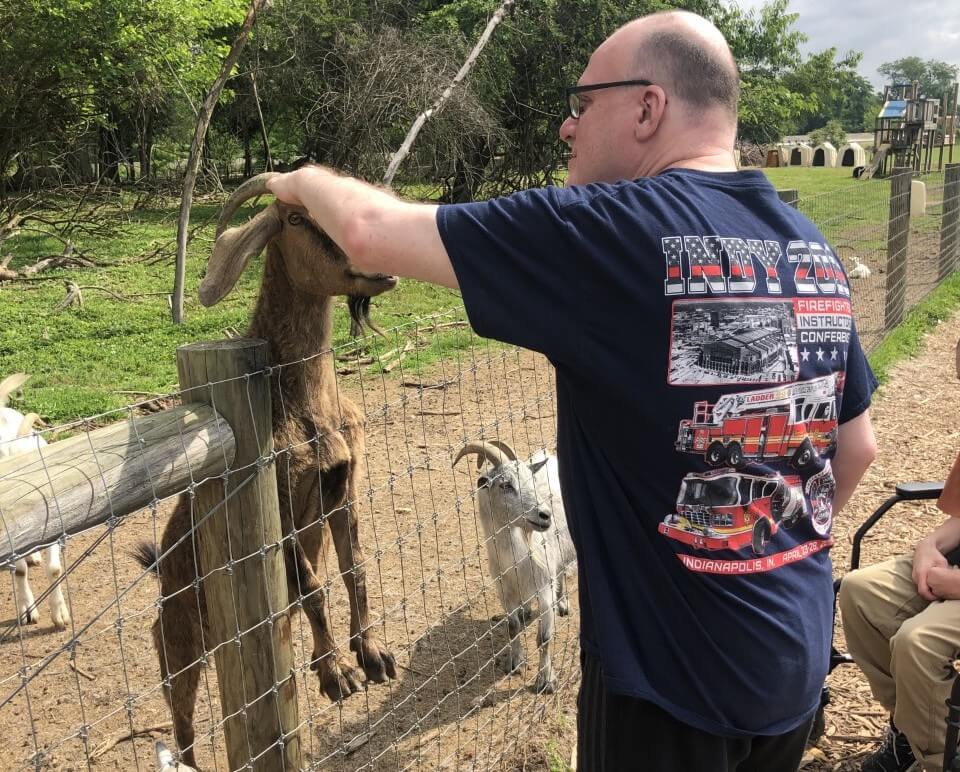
(573, 93)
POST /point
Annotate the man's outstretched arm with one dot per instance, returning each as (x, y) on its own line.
(378, 232)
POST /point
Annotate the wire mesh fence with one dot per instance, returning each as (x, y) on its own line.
(894, 240)
(417, 577)
(74, 698)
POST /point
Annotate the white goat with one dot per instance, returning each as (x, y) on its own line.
(17, 437)
(528, 544)
(859, 270)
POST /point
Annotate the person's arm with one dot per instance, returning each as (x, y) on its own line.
(856, 450)
(377, 231)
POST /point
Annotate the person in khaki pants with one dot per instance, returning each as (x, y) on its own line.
(901, 619)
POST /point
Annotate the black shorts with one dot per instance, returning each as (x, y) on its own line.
(624, 734)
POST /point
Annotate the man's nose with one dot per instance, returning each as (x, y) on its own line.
(568, 129)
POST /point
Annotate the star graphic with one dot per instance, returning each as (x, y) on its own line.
(804, 355)
(820, 352)
(834, 353)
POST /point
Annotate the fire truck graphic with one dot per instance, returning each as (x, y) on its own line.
(726, 509)
(797, 422)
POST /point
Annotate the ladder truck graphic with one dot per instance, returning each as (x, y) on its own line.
(796, 422)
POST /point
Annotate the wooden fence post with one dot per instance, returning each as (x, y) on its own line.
(790, 196)
(950, 222)
(898, 232)
(242, 560)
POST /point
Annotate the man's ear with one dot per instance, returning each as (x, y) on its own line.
(651, 107)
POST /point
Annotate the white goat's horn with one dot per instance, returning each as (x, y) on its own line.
(10, 384)
(26, 425)
(255, 186)
(505, 448)
(491, 452)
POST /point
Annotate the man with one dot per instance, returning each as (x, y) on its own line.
(901, 620)
(678, 300)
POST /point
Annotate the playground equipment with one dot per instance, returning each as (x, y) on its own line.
(910, 128)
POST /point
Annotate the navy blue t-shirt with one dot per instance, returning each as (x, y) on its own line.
(705, 353)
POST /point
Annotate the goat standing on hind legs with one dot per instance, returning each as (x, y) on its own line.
(319, 440)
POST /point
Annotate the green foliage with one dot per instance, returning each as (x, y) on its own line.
(833, 132)
(935, 76)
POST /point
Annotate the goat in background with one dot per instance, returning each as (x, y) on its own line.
(528, 543)
(17, 436)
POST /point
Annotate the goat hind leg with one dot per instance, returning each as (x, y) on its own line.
(177, 638)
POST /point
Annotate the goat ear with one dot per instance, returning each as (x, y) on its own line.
(536, 466)
(483, 482)
(232, 251)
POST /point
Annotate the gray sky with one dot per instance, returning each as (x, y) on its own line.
(882, 30)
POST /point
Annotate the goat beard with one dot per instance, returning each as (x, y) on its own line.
(359, 306)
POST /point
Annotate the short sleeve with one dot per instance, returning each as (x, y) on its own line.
(519, 267)
(859, 382)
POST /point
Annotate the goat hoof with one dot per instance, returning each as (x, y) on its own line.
(61, 618)
(510, 665)
(29, 616)
(338, 680)
(563, 608)
(544, 685)
(377, 662)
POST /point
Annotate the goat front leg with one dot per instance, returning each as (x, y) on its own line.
(545, 683)
(27, 611)
(563, 600)
(514, 659)
(372, 655)
(59, 611)
(338, 680)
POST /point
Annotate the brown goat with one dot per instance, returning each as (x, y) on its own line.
(319, 438)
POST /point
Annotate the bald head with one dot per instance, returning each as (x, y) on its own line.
(684, 54)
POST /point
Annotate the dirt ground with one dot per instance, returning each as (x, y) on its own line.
(450, 708)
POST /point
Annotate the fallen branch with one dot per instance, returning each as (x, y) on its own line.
(80, 671)
(120, 737)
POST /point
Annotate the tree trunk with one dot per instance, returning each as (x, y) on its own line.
(196, 148)
(267, 160)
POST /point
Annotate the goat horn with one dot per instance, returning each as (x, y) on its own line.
(26, 425)
(255, 186)
(10, 384)
(511, 453)
(491, 452)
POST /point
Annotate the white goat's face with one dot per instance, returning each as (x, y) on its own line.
(513, 493)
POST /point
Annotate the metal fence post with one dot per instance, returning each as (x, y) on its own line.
(241, 559)
(950, 222)
(898, 232)
(790, 196)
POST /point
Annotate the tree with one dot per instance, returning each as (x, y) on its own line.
(934, 76)
(833, 132)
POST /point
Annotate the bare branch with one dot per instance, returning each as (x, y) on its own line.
(408, 141)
